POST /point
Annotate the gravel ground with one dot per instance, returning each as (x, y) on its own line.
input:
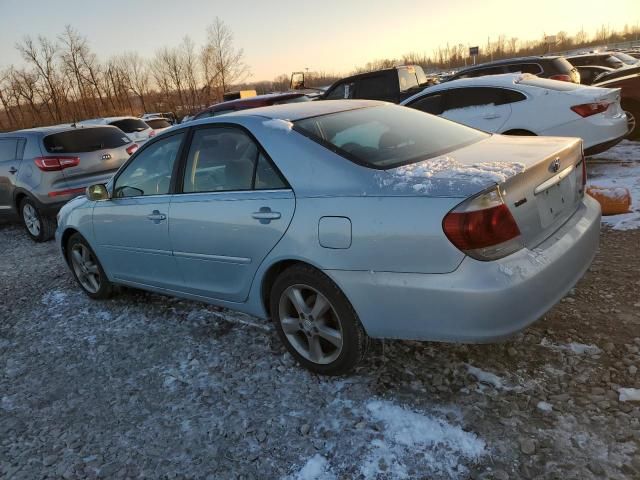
(145, 386)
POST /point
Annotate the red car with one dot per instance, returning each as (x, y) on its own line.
(252, 102)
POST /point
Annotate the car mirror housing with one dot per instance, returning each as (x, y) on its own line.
(97, 192)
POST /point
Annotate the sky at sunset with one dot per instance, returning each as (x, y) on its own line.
(283, 36)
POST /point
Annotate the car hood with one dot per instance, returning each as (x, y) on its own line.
(469, 170)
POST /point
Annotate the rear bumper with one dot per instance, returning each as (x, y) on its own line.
(480, 301)
(602, 147)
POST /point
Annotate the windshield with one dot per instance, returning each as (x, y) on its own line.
(422, 78)
(407, 77)
(130, 125)
(85, 140)
(387, 136)
(628, 59)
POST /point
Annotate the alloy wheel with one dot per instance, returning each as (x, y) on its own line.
(631, 122)
(311, 324)
(85, 267)
(31, 219)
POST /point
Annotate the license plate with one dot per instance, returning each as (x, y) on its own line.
(555, 200)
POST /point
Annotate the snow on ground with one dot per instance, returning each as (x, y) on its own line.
(619, 167)
(407, 434)
(573, 347)
(487, 378)
(629, 394)
(316, 468)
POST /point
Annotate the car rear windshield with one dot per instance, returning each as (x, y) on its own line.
(563, 65)
(387, 136)
(549, 84)
(130, 125)
(156, 123)
(85, 140)
(628, 59)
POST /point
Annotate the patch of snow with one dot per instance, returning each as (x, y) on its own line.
(408, 433)
(278, 124)
(544, 407)
(629, 394)
(316, 468)
(54, 298)
(487, 378)
(448, 168)
(577, 348)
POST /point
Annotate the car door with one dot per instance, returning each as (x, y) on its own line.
(234, 208)
(483, 108)
(132, 228)
(10, 159)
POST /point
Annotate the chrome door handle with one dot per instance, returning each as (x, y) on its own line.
(265, 215)
(491, 116)
(156, 216)
(13, 170)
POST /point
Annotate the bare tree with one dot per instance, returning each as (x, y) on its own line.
(225, 63)
(137, 75)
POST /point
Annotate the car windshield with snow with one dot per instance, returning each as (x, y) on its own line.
(260, 211)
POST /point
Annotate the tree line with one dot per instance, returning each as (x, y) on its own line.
(62, 80)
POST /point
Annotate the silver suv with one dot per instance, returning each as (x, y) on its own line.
(43, 168)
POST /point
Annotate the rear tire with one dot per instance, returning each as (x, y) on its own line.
(39, 227)
(316, 322)
(86, 269)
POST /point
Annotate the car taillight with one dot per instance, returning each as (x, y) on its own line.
(588, 109)
(152, 133)
(483, 227)
(55, 163)
(131, 149)
(561, 77)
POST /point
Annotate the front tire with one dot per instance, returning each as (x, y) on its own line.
(316, 322)
(87, 269)
(39, 227)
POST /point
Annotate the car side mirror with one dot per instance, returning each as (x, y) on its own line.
(97, 192)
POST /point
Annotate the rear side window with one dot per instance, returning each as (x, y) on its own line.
(532, 68)
(387, 136)
(85, 140)
(375, 88)
(130, 125)
(341, 91)
(158, 123)
(479, 96)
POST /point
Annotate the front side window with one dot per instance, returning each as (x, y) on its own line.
(458, 98)
(387, 136)
(433, 104)
(377, 87)
(149, 173)
(227, 159)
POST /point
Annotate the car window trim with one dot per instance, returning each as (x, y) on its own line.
(146, 145)
(179, 184)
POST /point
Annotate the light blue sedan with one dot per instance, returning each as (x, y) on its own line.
(342, 221)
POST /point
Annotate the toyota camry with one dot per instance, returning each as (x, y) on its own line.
(343, 221)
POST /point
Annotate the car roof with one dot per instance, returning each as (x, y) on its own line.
(507, 61)
(109, 119)
(50, 129)
(298, 111)
(265, 99)
(503, 79)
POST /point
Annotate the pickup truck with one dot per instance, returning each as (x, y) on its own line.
(390, 85)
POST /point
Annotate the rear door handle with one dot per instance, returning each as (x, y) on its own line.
(13, 170)
(156, 216)
(265, 215)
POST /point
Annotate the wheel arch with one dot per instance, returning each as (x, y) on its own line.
(64, 240)
(520, 132)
